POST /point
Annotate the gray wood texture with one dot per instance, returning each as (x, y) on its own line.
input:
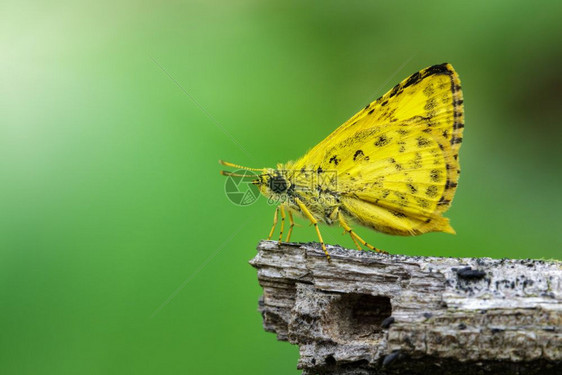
(369, 313)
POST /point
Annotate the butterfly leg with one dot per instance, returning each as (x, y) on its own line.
(336, 215)
(274, 222)
(282, 211)
(292, 224)
(355, 236)
(347, 229)
(307, 213)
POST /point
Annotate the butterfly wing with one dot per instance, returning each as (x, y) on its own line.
(406, 183)
(397, 159)
(433, 93)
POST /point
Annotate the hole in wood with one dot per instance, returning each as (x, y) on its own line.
(358, 316)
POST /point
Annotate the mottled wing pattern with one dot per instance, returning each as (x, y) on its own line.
(397, 159)
(399, 181)
(432, 93)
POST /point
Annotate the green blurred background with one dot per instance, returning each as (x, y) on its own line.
(119, 252)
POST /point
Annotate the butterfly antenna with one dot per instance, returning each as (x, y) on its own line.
(226, 173)
(239, 166)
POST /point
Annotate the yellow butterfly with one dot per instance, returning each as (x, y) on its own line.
(392, 167)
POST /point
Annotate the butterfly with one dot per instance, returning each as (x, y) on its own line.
(392, 167)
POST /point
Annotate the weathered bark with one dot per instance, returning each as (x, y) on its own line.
(368, 313)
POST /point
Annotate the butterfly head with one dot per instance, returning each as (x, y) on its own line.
(272, 183)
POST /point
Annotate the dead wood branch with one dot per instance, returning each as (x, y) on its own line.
(367, 313)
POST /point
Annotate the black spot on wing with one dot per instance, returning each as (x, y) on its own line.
(435, 175)
(423, 203)
(431, 191)
(437, 69)
(423, 141)
(334, 159)
(430, 104)
(443, 201)
(395, 91)
(450, 184)
(358, 154)
(383, 140)
(398, 166)
(398, 214)
(456, 140)
(429, 90)
(359, 137)
(413, 79)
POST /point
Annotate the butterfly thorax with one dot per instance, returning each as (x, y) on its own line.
(315, 188)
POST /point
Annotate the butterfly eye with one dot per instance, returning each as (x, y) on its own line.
(277, 184)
